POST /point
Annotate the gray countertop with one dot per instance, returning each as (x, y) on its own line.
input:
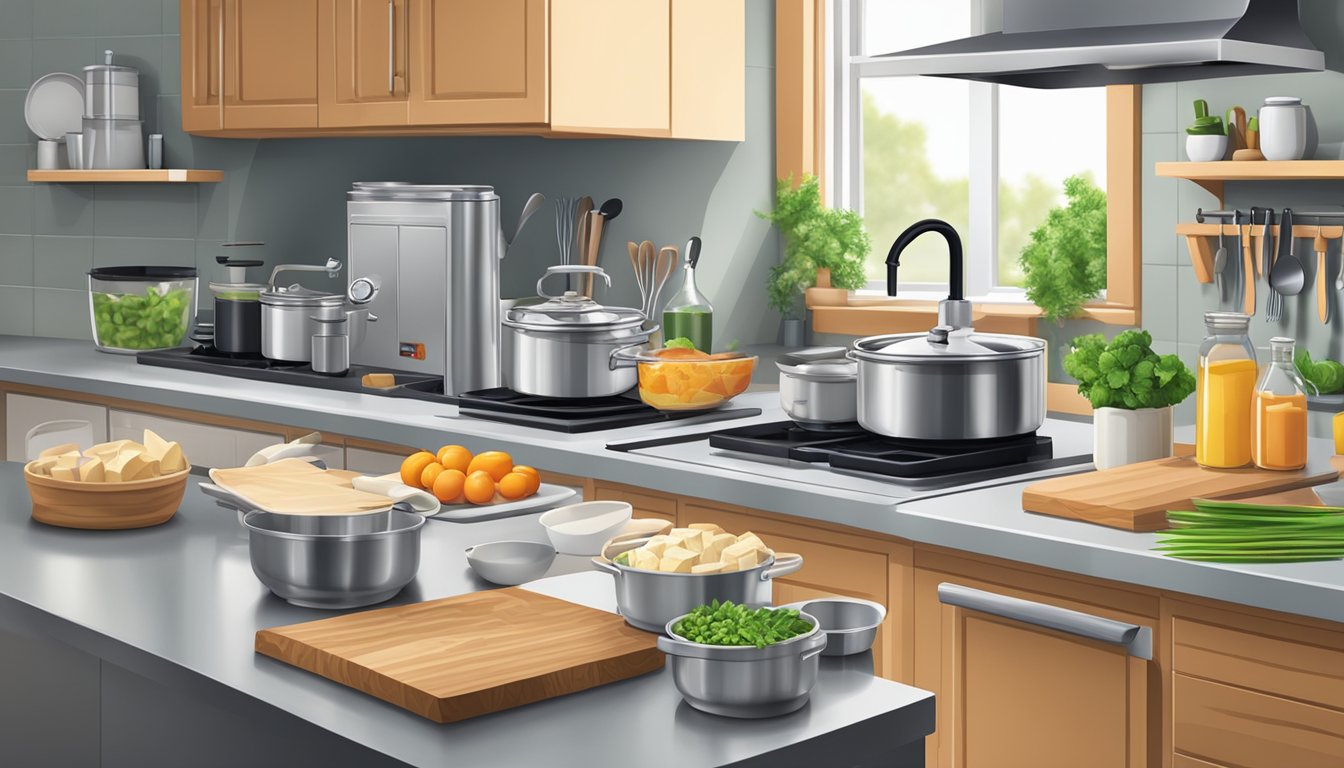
(984, 518)
(179, 603)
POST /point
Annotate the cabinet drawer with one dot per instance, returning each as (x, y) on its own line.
(645, 504)
(827, 568)
(1293, 669)
(1222, 723)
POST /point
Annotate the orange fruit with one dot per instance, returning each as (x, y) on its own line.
(479, 487)
(497, 463)
(448, 486)
(455, 457)
(430, 473)
(533, 478)
(414, 466)
(514, 486)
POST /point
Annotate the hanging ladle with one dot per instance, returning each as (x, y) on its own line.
(1288, 277)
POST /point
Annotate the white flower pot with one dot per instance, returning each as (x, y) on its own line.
(1206, 149)
(1124, 437)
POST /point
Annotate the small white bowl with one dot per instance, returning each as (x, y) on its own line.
(582, 529)
(1205, 149)
(509, 563)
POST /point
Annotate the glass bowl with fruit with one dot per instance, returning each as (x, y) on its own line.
(680, 377)
(135, 309)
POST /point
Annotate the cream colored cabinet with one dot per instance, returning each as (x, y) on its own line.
(646, 503)
(656, 68)
(205, 445)
(363, 57)
(24, 412)
(1032, 671)
(373, 462)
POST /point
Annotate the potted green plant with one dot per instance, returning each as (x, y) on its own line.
(818, 239)
(1065, 262)
(1132, 390)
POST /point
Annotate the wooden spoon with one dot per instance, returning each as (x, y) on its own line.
(1322, 302)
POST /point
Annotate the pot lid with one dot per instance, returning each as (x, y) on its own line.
(401, 190)
(819, 363)
(109, 72)
(963, 344)
(142, 274)
(572, 312)
(252, 288)
(298, 296)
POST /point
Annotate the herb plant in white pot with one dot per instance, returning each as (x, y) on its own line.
(1132, 390)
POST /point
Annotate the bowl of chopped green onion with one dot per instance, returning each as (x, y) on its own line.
(135, 309)
(744, 661)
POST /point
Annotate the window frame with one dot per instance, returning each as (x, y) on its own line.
(802, 112)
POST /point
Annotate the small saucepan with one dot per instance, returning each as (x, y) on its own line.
(819, 388)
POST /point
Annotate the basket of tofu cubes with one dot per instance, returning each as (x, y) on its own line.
(667, 575)
(119, 484)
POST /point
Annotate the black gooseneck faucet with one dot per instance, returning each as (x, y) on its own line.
(955, 312)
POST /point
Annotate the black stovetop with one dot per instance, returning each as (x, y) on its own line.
(500, 404)
(855, 449)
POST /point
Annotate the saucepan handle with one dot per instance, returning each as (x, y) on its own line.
(625, 357)
(785, 563)
(820, 641)
(601, 564)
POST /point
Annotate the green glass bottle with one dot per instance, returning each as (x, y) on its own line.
(688, 313)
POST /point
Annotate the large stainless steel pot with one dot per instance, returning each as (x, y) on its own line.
(818, 388)
(950, 383)
(650, 599)
(292, 315)
(335, 561)
(564, 347)
(745, 681)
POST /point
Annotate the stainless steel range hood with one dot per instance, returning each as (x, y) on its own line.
(1079, 43)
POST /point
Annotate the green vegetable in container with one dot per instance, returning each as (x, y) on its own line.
(1126, 372)
(154, 320)
(681, 342)
(729, 624)
(1327, 376)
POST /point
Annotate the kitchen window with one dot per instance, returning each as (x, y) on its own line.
(989, 159)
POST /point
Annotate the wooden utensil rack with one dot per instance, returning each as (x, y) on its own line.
(1199, 235)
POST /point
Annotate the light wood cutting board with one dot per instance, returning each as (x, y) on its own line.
(296, 487)
(459, 657)
(1136, 497)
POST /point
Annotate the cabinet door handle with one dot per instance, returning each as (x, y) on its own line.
(391, 38)
(1137, 640)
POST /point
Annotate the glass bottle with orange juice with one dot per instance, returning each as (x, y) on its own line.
(1225, 391)
(1280, 411)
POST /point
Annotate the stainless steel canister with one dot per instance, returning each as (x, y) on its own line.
(818, 387)
(111, 92)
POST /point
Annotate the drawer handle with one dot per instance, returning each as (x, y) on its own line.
(1138, 640)
(391, 65)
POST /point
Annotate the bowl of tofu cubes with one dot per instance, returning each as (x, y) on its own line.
(664, 576)
(121, 484)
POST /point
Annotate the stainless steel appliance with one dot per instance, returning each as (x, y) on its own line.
(287, 312)
(565, 346)
(434, 251)
(237, 326)
(112, 131)
(950, 383)
(818, 387)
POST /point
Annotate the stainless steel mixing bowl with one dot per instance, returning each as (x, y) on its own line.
(745, 682)
(338, 561)
(850, 624)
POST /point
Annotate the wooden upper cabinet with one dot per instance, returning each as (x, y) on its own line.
(201, 27)
(270, 64)
(363, 60)
(654, 68)
(478, 62)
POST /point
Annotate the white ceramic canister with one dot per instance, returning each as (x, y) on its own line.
(1283, 128)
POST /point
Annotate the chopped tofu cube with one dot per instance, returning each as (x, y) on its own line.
(711, 527)
(92, 471)
(658, 544)
(715, 546)
(694, 541)
(643, 558)
(170, 459)
(125, 466)
(42, 466)
(678, 560)
(104, 450)
(57, 450)
(707, 568)
(727, 567)
(751, 538)
(153, 443)
(68, 460)
(64, 473)
(743, 554)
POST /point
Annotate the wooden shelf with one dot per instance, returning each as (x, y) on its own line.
(1199, 240)
(1211, 176)
(132, 175)
(863, 317)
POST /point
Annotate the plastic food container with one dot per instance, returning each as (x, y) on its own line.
(133, 309)
(688, 383)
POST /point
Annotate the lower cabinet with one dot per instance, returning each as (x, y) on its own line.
(204, 445)
(1032, 671)
(645, 503)
(372, 462)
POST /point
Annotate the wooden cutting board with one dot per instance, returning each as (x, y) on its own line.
(469, 655)
(1136, 497)
(296, 487)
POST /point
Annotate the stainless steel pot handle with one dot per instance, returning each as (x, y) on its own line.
(601, 564)
(1137, 640)
(821, 641)
(569, 269)
(626, 357)
(332, 268)
(785, 563)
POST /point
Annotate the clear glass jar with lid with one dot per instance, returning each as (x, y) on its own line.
(1224, 392)
(1280, 411)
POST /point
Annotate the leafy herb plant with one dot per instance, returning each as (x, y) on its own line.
(729, 624)
(1127, 373)
(818, 238)
(1327, 376)
(1065, 262)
